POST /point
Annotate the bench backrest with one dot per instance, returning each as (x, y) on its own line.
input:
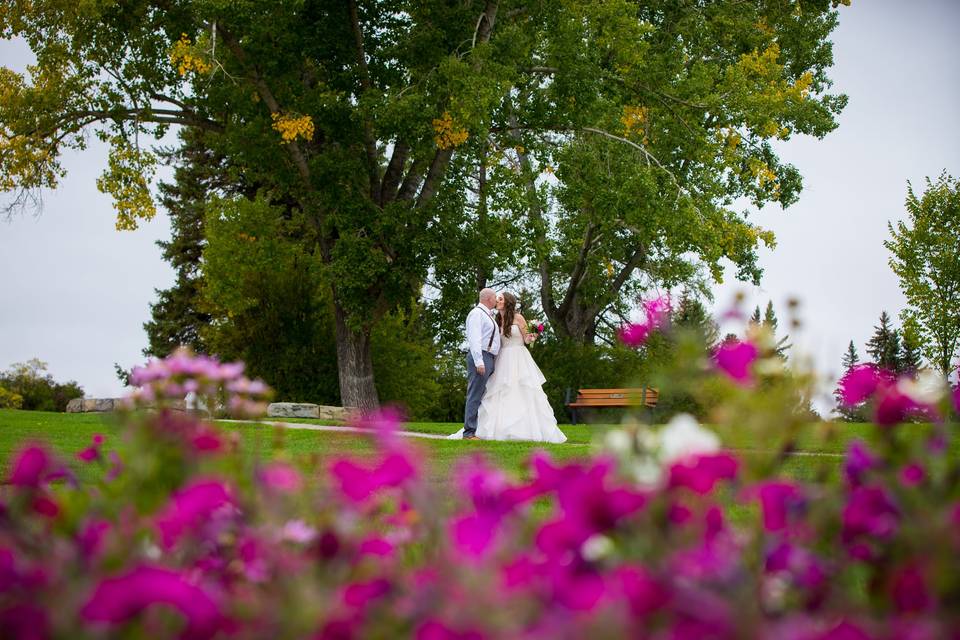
(618, 397)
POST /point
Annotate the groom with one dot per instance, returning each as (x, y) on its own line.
(483, 344)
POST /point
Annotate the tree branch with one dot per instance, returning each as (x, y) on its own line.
(369, 142)
(649, 156)
(394, 172)
(579, 268)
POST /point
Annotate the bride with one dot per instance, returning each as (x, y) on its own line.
(514, 406)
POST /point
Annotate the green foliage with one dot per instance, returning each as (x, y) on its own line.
(884, 345)
(35, 389)
(9, 399)
(925, 255)
(406, 365)
(911, 347)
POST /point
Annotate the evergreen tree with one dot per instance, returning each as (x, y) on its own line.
(178, 315)
(769, 317)
(691, 313)
(856, 413)
(911, 348)
(884, 346)
(755, 319)
(770, 323)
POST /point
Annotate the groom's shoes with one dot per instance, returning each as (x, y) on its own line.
(470, 438)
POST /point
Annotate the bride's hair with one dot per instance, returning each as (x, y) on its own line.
(509, 309)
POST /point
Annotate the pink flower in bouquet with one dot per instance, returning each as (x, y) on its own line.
(117, 600)
(735, 358)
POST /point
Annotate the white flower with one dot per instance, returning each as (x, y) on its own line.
(617, 441)
(683, 436)
(298, 531)
(596, 547)
(929, 387)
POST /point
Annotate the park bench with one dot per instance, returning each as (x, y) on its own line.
(604, 398)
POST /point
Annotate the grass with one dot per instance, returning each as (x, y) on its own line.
(69, 433)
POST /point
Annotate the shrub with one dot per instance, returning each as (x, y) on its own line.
(660, 533)
(10, 400)
(37, 389)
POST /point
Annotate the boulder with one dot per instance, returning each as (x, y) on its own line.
(93, 405)
(292, 410)
(340, 414)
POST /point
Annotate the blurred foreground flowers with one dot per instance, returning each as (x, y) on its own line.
(661, 533)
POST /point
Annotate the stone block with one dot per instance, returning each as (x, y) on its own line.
(292, 410)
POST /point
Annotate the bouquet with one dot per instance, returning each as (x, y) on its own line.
(534, 331)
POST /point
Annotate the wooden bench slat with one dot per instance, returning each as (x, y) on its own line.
(613, 398)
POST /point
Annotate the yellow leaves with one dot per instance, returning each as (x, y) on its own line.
(762, 64)
(801, 88)
(634, 118)
(292, 127)
(764, 175)
(447, 133)
(185, 57)
(246, 238)
(127, 180)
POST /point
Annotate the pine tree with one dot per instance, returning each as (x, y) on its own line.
(770, 323)
(693, 314)
(850, 358)
(177, 316)
(769, 317)
(884, 346)
(755, 319)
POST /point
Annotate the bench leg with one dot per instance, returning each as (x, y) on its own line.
(573, 416)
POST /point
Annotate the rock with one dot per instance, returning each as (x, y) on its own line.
(341, 414)
(292, 410)
(93, 405)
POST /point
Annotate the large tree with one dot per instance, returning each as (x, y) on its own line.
(351, 114)
(925, 255)
(884, 344)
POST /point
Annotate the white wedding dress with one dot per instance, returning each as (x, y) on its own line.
(514, 406)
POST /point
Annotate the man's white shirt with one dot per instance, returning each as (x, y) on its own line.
(480, 327)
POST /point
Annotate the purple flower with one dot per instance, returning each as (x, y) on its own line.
(90, 539)
(912, 474)
(280, 477)
(735, 358)
(859, 460)
(806, 570)
(24, 622)
(359, 594)
(642, 591)
(869, 512)
(860, 382)
(359, 483)
(657, 312)
(117, 600)
(777, 500)
(700, 473)
(910, 591)
(189, 508)
(31, 466)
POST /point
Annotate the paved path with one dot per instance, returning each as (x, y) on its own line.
(435, 436)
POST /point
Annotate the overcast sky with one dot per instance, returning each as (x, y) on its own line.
(75, 292)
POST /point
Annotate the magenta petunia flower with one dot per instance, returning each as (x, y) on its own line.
(910, 591)
(700, 473)
(869, 512)
(657, 315)
(24, 621)
(912, 474)
(633, 335)
(117, 600)
(206, 441)
(375, 546)
(45, 506)
(860, 382)
(956, 398)
(778, 499)
(359, 594)
(31, 466)
(734, 359)
(280, 477)
(644, 593)
(859, 460)
(435, 630)
(805, 568)
(894, 406)
(90, 538)
(189, 508)
(358, 483)
(844, 630)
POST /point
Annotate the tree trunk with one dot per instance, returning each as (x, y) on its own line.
(354, 363)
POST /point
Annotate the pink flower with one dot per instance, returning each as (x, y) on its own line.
(436, 630)
(860, 382)
(910, 591)
(912, 474)
(280, 477)
(844, 630)
(117, 600)
(90, 539)
(859, 460)
(359, 594)
(894, 406)
(777, 500)
(46, 506)
(206, 441)
(189, 508)
(734, 359)
(657, 312)
(91, 453)
(644, 593)
(24, 622)
(359, 483)
(375, 546)
(700, 473)
(31, 466)
(956, 398)
(869, 512)
(298, 531)
(473, 534)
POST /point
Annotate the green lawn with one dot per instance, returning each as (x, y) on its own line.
(69, 433)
